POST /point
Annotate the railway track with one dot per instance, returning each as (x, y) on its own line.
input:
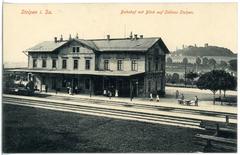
(151, 107)
(137, 115)
(113, 113)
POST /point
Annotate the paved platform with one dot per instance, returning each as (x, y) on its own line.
(70, 100)
(165, 101)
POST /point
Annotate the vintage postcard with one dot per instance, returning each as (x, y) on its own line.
(119, 78)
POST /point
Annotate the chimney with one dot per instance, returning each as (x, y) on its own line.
(141, 36)
(131, 35)
(108, 37)
(77, 36)
(61, 39)
(135, 36)
(55, 39)
(70, 38)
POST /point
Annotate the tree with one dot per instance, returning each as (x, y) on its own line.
(210, 81)
(228, 82)
(175, 78)
(185, 61)
(233, 64)
(191, 76)
(169, 60)
(198, 62)
(168, 78)
(223, 64)
(212, 62)
(217, 80)
(205, 61)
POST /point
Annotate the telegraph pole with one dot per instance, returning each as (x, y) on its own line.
(185, 73)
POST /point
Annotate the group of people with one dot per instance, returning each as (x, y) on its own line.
(182, 98)
(177, 95)
(151, 97)
(73, 90)
(110, 93)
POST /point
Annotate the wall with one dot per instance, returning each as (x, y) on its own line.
(65, 53)
(126, 57)
(155, 77)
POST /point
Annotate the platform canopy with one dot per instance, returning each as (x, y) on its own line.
(78, 72)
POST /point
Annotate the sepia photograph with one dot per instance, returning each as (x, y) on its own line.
(119, 77)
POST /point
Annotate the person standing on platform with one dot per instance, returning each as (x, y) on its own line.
(182, 97)
(151, 97)
(196, 101)
(46, 88)
(177, 94)
(109, 94)
(157, 98)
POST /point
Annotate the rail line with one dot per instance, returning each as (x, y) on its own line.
(113, 113)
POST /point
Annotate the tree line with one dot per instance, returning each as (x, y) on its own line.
(232, 64)
(215, 80)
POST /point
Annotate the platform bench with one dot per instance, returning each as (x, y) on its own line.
(221, 142)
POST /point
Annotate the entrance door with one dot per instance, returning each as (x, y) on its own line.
(135, 88)
(75, 82)
(54, 83)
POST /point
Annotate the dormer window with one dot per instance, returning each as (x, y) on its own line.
(75, 49)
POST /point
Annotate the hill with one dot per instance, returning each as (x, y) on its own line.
(204, 51)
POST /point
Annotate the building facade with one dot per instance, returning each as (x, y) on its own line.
(133, 66)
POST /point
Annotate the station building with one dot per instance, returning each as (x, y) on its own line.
(133, 66)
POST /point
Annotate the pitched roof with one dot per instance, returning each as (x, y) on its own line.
(104, 45)
(46, 46)
(141, 44)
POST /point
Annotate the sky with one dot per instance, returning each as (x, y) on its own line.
(25, 25)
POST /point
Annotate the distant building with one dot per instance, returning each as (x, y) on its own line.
(133, 66)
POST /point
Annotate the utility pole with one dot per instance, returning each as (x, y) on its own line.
(131, 95)
(185, 74)
(90, 87)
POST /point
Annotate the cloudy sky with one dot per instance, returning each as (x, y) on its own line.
(176, 23)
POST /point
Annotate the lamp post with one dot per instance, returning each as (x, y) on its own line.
(90, 87)
(137, 88)
(131, 95)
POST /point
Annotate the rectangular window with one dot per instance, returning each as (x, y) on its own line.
(87, 64)
(73, 49)
(77, 49)
(162, 63)
(119, 65)
(34, 63)
(149, 65)
(87, 84)
(106, 64)
(44, 63)
(64, 64)
(156, 64)
(54, 63)
(134, 65)
(75, 64)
